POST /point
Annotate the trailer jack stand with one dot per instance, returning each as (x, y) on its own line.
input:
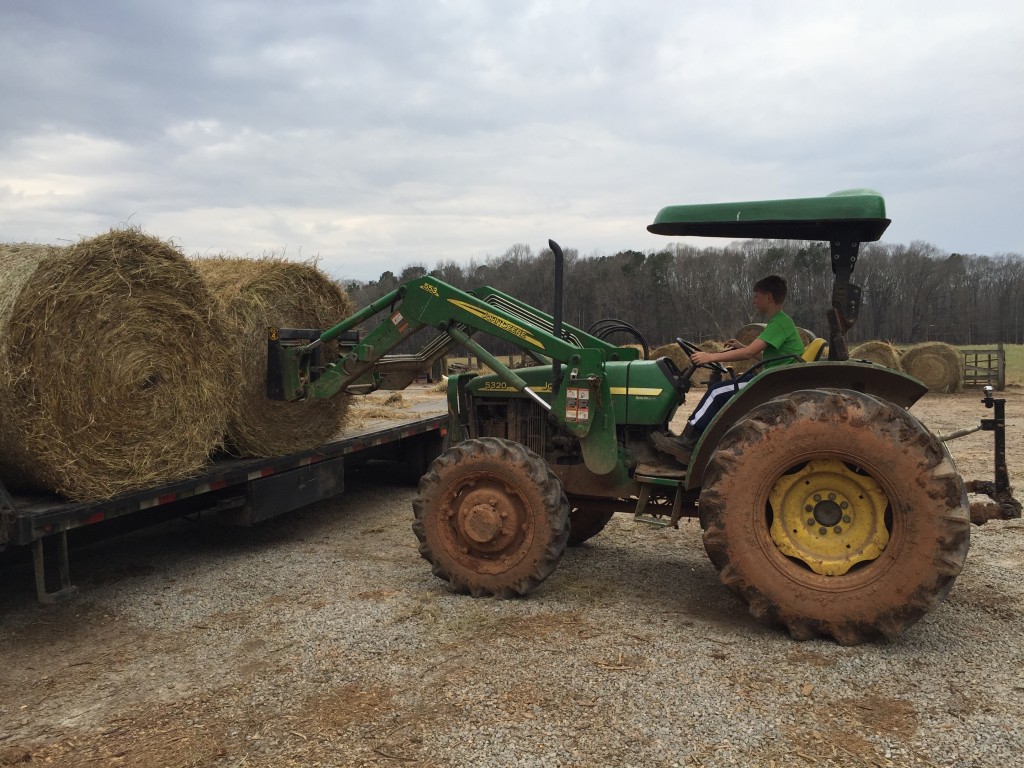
(65, 590)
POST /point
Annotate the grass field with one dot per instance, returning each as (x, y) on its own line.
(1014, 363)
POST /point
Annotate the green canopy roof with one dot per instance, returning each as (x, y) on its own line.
(853, 214)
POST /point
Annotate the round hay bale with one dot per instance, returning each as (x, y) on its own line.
(806, 336)
(111, 366)
(251, 295)
(710, 345)
(939, 366)
(673, 351)
(682, 360)
(701, 377)
(879, 352)
(749, 332)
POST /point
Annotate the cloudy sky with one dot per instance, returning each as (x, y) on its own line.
(381, 134)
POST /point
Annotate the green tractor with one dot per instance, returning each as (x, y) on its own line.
(825, 505)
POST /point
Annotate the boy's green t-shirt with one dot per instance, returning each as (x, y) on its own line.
(782, 338)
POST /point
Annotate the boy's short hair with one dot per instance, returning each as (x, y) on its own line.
(774, 285)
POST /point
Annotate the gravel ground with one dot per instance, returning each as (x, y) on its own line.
(322, 639)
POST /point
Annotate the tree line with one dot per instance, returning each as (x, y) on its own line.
(911, 293)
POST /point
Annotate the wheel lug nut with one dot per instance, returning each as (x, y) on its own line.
(810, 521)
(817, 497)
(808, 508)
(844, 505)
(837, 529)
(831, 497)
(823, 531)
(846, 518)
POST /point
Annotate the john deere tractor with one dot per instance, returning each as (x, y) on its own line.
(825, 505)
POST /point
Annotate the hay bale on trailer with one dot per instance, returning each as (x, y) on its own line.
(939, 366)
(252, 294)
(879, 352)
(111, 366)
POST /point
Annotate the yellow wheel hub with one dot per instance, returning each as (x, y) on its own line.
(829, 517)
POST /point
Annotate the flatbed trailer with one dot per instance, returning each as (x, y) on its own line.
(239, 491)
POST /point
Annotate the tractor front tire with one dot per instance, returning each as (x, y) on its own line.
(585, 524)
(491, 518)
(835, 514)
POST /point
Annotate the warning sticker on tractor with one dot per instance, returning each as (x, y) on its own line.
(583, 414)
(577, 404)
(399, 322)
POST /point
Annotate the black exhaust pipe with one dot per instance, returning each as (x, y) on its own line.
(556, 366)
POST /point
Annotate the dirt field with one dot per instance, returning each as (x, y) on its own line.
(322, 639)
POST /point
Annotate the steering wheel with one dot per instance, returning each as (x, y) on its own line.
(689, 348)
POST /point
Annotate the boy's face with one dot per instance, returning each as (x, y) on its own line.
(762, 301)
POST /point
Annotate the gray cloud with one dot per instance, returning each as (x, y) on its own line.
(378, 134)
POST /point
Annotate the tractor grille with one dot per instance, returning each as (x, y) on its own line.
(531, 426)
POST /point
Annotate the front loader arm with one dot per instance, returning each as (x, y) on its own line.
(429, 302)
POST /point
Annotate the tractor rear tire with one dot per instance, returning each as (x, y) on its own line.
(872, 525)
(491, 518)
(585, 524)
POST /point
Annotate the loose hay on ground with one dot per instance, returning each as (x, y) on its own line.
(251, 295)
(939, 366)
(880, 352)
(111, 366)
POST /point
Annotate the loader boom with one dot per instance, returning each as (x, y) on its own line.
(293, 372)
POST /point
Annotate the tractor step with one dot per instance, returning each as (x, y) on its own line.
(660, 484)
(653, 472)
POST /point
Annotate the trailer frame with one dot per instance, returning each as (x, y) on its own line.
(239, 491)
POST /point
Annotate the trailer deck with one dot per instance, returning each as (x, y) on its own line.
(239, 491)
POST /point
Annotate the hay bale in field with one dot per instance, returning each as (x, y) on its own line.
(111, 366)
(710, 345)
(806, 335)
(879, 352)
(682, 360)
(940, 367)
(702, 375)
(251, 295)
(673, 351)
(749, 332)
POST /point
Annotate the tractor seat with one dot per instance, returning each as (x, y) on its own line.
(817, 349)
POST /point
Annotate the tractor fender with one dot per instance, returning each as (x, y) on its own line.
(881, 382)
